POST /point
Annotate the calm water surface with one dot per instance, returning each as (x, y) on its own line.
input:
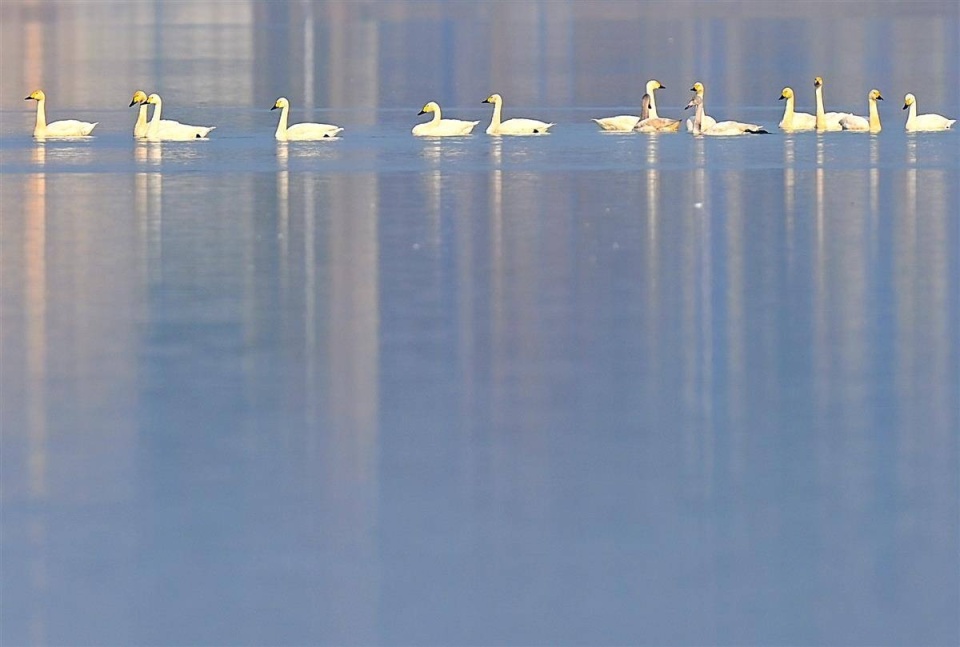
(576, 389)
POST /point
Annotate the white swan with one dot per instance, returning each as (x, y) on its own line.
(825, 120)
(793, 120)
(707, 121)
(627, 123)
(918, 123)
(720, 128)
(300, 132)
(173, 132)
(864, 124)
(140, 127)
(65, 128)
(512, 126)
(440, 127)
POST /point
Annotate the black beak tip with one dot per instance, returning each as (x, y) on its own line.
(781, 98)
(421, 113)
(273, 108)
(905, 106)
(879, 98)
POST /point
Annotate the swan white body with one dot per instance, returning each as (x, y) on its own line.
(300, 132)
(720, 128)
(793, 120)
(55, 129)
(707, 121)
(865, 124)
(627, 123)
(825, 120)
(440, 127)
(928, 122)
(140, 127)
(512, 126)
(174, 131)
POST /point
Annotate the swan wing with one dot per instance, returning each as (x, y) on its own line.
(522, 127)
(801, 121)
(931, 121)
(730, 128)
(445, 128)
(658, 125)
(310, 131)
(706, 123)
(180, 132)
(69, 128)
(854, 122)
(618, 124)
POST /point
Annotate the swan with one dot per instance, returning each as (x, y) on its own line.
(303, 131)
(65, 128)
(720, 128)
(173, 132)
(917, 123)
(707, 120)
(140, 128)
(648, 124)
(826, 120)
(863, 124)
(512, 126)
(627, 123)
(795, 120)
(440, 127)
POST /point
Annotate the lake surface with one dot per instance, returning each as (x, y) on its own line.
(582, 388)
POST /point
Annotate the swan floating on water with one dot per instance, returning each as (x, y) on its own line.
(140, 127)
(795, 120)
(707, 121)
(64, 128)
(627, 123)
(927, 122)
(300, 132)
(825, 120)
(440, 127)
(865, 124)
(175, 131)
(720, 128)
(512, 126)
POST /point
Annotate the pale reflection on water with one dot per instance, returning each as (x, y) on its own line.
(386, 390)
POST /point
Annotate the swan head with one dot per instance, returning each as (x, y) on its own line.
(36, 95)
(875, 95)
(153, 98)
(138, 97)
(695, 101)
(697, 87)
(280, 104)
(908, 101)
(493, 98)
(786, 93)
(817, 81)
(653, 84)
(430, 107)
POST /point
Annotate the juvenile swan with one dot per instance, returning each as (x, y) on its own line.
(65, 128)
(707, 121)
(795, 120)
(300, 132)
(512, 126)
(863, 124)
(140, 128)
(440, 127)
(825, 120)
(917, 123)
(627, 123)
(178, 132)
(721, 128)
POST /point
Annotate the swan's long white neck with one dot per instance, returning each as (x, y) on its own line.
(912, 112)
(41, 115)
(436, 116)
(282, 126)
(140, 128)
(874, 116)
(651, 90)
(495, 120)
(788, 112)
(155, 121)
(821, 116)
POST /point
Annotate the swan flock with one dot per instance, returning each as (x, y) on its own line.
(649, 120)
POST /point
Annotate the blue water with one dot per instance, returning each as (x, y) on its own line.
(582, 388)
